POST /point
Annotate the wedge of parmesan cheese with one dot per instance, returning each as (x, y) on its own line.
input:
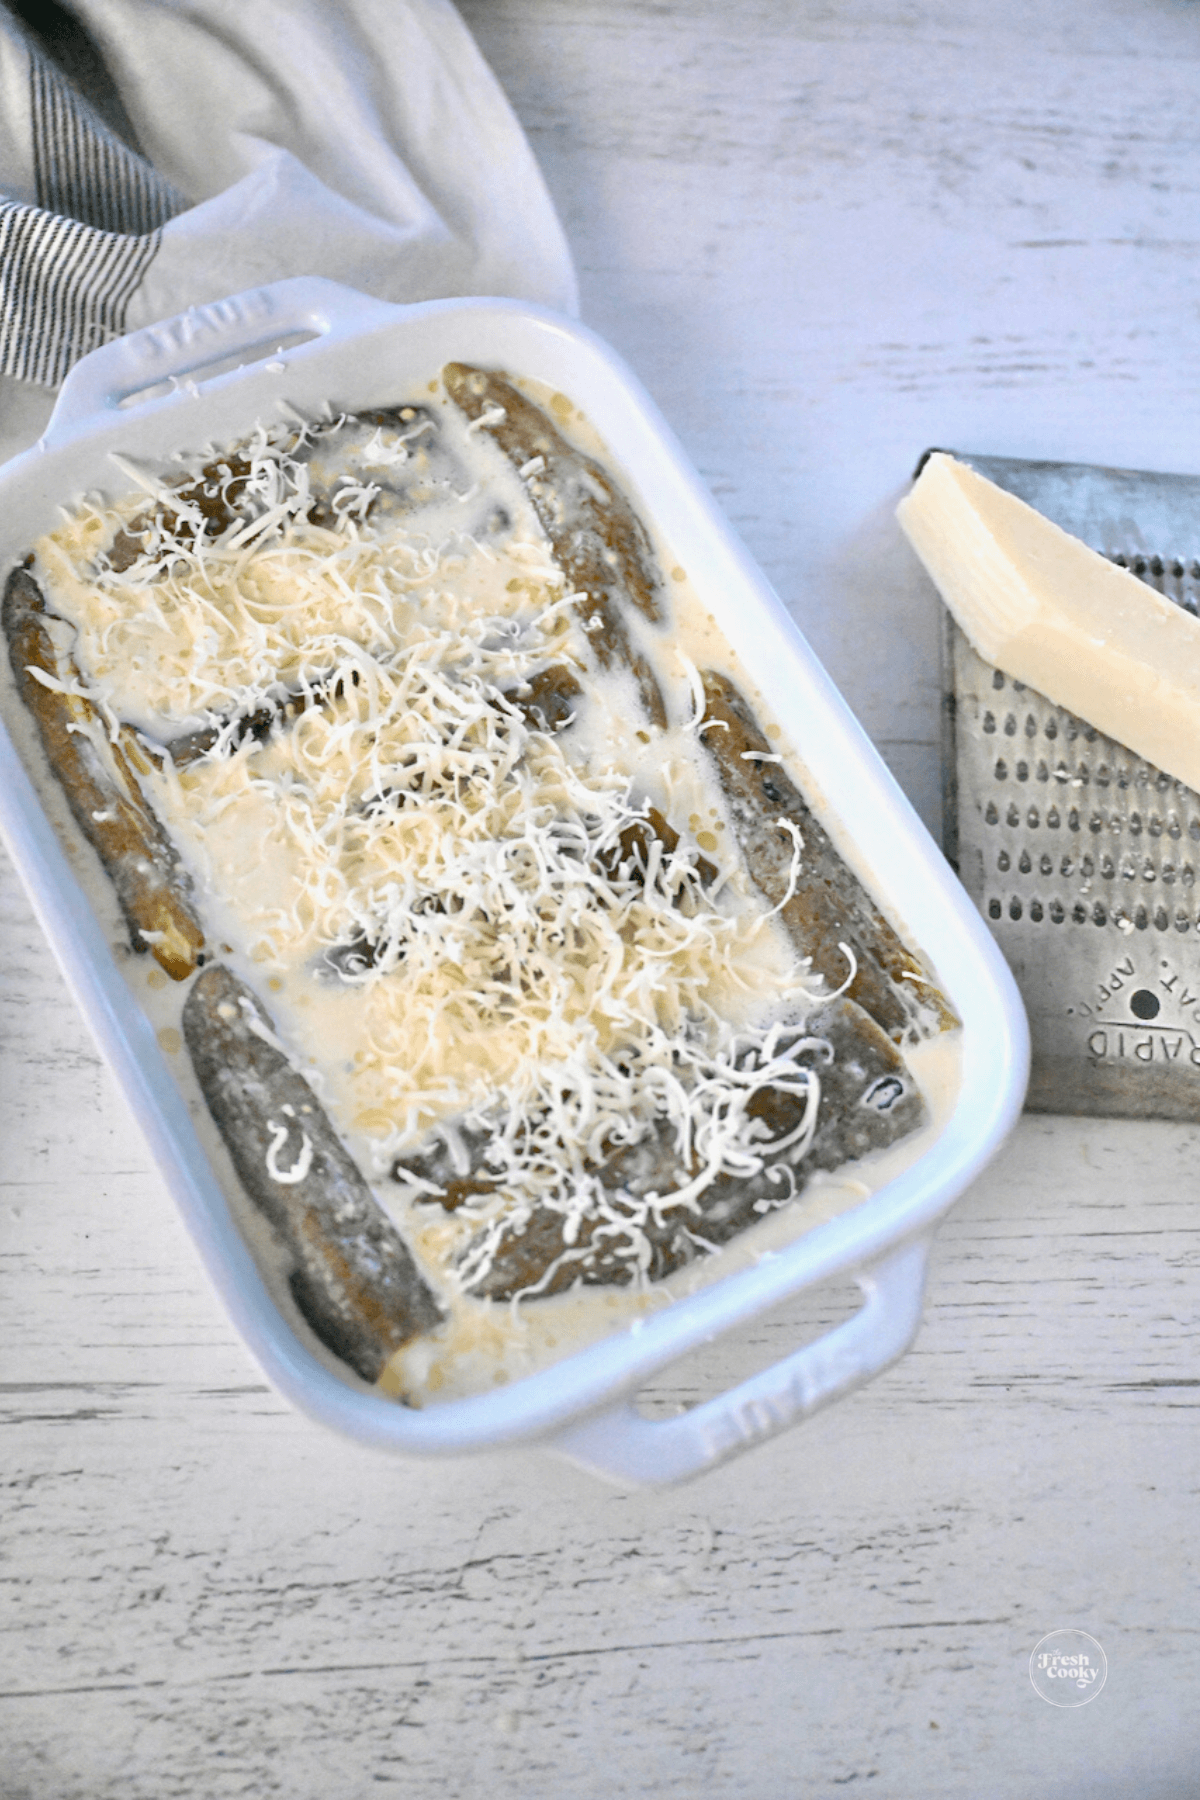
(1049, 611)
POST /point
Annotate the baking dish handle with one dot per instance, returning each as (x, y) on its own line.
(622, 1445)
(150, 365)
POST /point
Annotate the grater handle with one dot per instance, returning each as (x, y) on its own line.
(620, 1444)
(146, 368)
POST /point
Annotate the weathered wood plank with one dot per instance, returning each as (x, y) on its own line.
(824, 237)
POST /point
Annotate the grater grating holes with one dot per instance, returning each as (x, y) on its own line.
(1172, 577)
(1087, 837)
(1078, 758)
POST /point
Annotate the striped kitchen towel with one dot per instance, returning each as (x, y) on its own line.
(153, 157)
(76, 249)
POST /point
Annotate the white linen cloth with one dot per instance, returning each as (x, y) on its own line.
(364, 140)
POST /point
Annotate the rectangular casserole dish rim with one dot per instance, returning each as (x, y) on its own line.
(87, 421)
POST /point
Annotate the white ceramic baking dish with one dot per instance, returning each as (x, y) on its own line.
(208, 377)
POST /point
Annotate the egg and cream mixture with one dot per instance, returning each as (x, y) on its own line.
(415, 817)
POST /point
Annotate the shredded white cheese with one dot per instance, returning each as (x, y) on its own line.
(302, 1164)
(472, 920)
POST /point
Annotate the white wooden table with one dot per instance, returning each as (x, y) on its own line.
(825, 237)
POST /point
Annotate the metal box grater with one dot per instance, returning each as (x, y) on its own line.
(1083, 858)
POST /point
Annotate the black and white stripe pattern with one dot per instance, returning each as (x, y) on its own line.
(69, 265)
(64, 288)
(83, 170)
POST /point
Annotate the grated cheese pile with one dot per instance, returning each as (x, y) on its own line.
(441, 892)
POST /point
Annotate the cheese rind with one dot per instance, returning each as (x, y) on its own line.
(1051, 612)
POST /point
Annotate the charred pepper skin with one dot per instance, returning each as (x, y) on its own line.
(102, 791)
(598, 541)
(352, 1276)
(869, 1100)
(830, 906)
(354, 1279)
